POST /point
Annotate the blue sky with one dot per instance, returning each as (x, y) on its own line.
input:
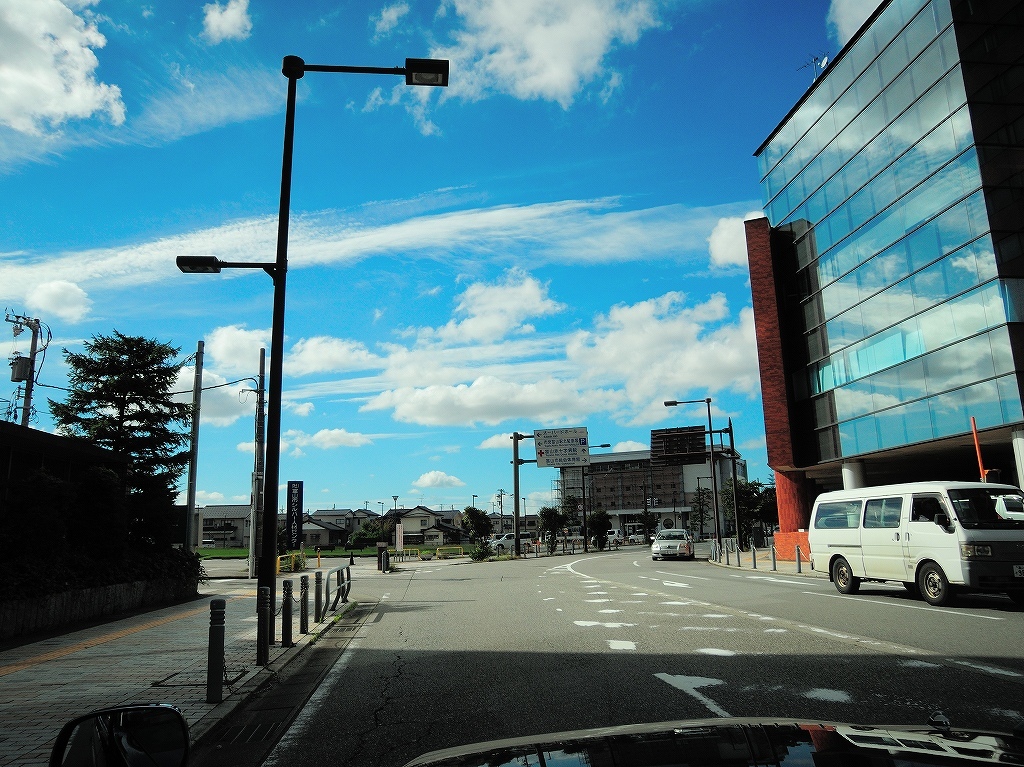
(554, 240)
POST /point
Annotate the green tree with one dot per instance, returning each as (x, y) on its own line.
(120, 398)
(571, 505)
(552, 522)
(476, 523)
(758, 507)
(598, 527)
(700, 510)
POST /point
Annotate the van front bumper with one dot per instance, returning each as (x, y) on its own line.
(992, 576)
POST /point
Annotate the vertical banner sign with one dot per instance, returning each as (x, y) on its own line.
(399, 537)
(293, 520)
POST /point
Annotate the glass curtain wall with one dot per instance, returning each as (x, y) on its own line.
(875, 178)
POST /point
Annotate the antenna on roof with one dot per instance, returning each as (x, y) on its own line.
(817, 62)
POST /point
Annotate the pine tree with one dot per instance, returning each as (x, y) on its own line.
(120, 399)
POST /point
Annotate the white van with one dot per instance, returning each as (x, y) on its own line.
(930, 536)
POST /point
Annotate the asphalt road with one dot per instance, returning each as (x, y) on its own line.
(450, 655)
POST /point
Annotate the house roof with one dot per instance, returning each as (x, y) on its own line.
(225, 511)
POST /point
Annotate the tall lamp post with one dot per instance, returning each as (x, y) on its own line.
(711, 454)
(429, 72)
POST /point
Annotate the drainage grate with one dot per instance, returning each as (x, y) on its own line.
(250, 733)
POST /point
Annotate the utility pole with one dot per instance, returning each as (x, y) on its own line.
(256, 504)
(193, 455)
(20, 371)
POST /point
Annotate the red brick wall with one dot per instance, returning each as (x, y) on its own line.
(767, 328)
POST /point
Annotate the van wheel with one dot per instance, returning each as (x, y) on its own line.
(933, 584)
(842, 575)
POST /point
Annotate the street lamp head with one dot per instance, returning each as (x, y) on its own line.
(671, 403)
(198, 264)
(426, 72)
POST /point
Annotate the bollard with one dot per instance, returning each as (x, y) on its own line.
(263, 626)
(753, 557)
(798, 560)
(318, 612)
(286, 614)
(215, 653)
(351, 559)
(304, 604)
(386, 559)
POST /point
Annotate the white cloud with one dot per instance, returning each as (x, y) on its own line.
(629, 446)
(196, 101)
(540, 49)
(60, 298)
(662, 348)
(565, 232)
(493, 311)
(222, 404)
(438, 479)
(226, 22)
(496, 442)
(388, 18)
(322, 354)
(845, 17)
(490, 400)
(47, 68)
(301, 409)
(325, 439)
(727, 244)
(234, 349)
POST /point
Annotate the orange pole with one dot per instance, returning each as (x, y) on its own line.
(977, 449)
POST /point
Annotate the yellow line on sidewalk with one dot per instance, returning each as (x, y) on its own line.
(87, 643)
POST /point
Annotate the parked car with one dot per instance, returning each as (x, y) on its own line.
(614, 537)
(674, 544)
(506, 543)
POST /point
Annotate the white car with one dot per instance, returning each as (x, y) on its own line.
(506, 544)
(674, 544)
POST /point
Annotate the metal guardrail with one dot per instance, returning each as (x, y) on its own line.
(295, 563)
(343, 584)
(449, 551)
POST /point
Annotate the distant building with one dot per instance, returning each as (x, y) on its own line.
(225, 526)
(887, 276)
(625, 484)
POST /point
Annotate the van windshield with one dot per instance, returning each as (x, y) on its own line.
(979, 508)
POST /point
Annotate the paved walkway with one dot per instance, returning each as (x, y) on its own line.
(155, 656)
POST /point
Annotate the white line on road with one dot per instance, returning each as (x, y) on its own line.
(676, 575)
(690, 684)
(909, 607)
(619, 644)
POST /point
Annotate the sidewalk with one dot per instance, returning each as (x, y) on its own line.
(155, 656)
(763, 560)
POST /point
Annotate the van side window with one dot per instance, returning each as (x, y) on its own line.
(925, 508)
(838, 515)
(883, 512)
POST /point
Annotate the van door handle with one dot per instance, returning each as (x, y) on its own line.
(896, 536)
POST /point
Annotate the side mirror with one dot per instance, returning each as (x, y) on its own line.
(134, 736)
(942, 520)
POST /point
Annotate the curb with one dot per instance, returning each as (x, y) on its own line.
(254, 681)
(805, 574)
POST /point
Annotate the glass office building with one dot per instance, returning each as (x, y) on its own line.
(886, 276)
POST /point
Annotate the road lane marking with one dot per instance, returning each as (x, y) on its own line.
(986, 669)
(676, 575)
(690, 685)
(619, 644)
(716, 651)
(591, 624)
(909, 607)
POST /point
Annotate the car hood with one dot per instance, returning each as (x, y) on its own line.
(740, 742)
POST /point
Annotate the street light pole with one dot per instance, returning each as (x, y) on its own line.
(429, 72)
(711, 455)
